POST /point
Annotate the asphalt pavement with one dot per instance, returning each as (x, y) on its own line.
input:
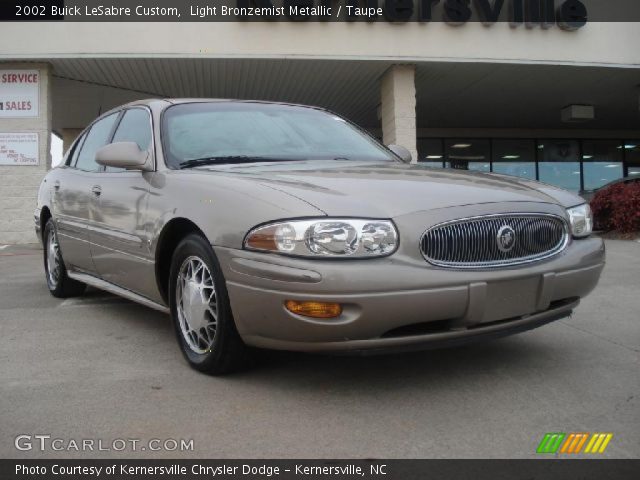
(104, 369)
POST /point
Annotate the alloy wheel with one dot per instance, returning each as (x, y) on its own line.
(197, 305)
(53, 259)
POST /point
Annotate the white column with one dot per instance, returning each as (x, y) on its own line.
(398, 107)
(19, 183)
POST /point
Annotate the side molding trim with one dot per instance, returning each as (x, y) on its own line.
(122, 292)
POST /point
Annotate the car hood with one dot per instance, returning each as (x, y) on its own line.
(344, 188)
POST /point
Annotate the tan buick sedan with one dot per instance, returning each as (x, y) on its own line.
(281, 226)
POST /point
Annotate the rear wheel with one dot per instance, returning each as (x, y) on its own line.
(59, 283)
(201, 311)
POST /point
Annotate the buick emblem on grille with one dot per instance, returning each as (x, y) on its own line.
(506, 238)
(499, 240)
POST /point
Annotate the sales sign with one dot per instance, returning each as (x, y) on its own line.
(19, 93)
(19, 148)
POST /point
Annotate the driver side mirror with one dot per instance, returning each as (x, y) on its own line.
(403, 153)
(123, 155)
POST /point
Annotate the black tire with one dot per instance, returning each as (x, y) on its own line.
(227, 353)
(59, 283)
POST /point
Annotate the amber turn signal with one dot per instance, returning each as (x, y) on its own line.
(263, 240)
(314, 309)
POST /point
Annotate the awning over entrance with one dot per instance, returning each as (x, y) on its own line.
(448, 94)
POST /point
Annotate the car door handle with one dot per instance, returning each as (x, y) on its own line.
(56, 185)
(97, 190)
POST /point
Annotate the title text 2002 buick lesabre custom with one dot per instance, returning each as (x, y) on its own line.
(286, 227)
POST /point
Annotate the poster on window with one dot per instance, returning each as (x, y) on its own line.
(19, 93)
(19, 148)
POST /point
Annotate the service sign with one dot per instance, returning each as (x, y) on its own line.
(19, 93)
(19, 148)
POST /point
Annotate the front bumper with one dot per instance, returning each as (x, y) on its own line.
(401, 302)
(406, 343)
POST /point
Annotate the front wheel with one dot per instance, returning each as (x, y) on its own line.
(201, 311)
(59, 283)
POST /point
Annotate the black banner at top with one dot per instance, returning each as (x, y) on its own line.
(566, 14)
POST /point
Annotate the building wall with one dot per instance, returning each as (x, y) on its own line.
(19, 184)
(596, 44)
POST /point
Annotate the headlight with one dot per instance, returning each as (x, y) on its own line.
(581, 220)
(327, 237)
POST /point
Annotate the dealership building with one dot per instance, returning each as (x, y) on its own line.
(538, 100)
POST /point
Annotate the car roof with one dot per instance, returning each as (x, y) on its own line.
(163, 103)
(176, 101)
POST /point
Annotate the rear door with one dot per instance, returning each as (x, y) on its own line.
(120, 235)
(73, 199)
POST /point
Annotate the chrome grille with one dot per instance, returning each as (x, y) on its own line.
(474, 243)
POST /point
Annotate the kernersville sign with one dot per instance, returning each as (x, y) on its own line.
(567, 14)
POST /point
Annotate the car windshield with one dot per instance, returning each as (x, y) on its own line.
(196, 134)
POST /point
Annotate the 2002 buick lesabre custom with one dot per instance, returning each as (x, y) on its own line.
(287, 227)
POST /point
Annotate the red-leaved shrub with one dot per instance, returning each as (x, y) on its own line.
(618, 208)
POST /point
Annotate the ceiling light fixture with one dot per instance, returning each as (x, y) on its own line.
(577, 113)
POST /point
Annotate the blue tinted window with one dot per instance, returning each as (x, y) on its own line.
(602, 162)
(563, 175)
(468, 154)
(516, 169)
(632, 156)
(430, 152)
(560, 163)
(515, 157)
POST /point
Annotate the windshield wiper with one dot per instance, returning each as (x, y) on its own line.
(229, 159)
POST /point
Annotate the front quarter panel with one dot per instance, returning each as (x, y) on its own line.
(222, 206)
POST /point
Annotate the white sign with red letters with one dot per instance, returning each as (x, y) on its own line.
(19, 148)
(19, 93)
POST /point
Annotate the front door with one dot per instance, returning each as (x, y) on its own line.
(119, 235)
